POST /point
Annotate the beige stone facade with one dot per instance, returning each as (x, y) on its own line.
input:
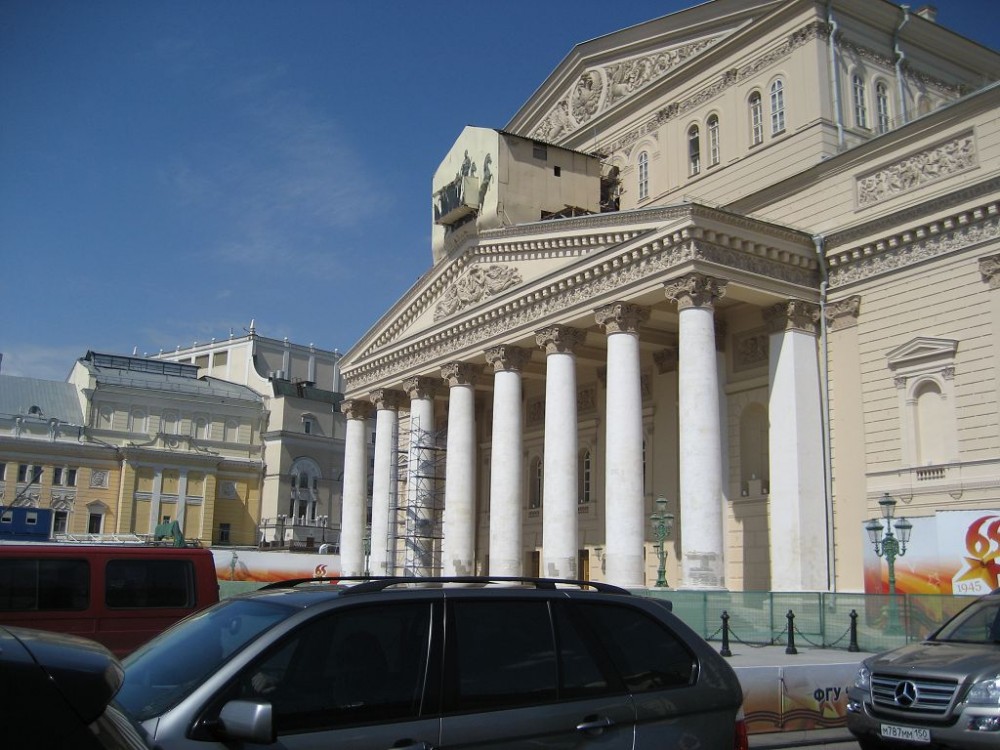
(802, 200)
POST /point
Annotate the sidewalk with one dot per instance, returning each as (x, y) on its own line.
(786, 693)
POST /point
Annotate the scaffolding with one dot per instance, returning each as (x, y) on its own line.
(416, 503)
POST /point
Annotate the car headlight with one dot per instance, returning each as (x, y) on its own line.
(863, 679)
(985, 692)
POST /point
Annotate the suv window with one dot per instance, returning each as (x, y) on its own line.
(149, 583)
(648, 655)
(44, 585)
(355, 665)
(507, 653)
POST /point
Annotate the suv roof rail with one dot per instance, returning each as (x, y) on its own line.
(368, 584)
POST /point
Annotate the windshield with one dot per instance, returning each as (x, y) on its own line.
(168, 668)
(979, 623)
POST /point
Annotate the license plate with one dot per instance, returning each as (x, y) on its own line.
(912, 734)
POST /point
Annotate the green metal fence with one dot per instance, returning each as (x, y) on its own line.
(821, 620)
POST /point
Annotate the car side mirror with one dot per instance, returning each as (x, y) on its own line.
(247, 721)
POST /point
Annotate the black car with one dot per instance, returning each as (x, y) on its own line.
(434, 663)
(56, 692)
(943, 692)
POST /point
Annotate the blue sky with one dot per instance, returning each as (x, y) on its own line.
(171, 170)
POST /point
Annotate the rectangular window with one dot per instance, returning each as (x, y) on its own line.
(57, 476)
(557, 171)
(860, 108)
(60, 522)
(31, 518)
(22, 472)
(149, 583)
(71, 477)
(224, 530)
(28, 585)
(777, 107)
(94, 523)
(539, 150)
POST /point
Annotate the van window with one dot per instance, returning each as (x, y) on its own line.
(133, 583)
(39, 585)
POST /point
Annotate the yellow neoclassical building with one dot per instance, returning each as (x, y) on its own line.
(743, 258)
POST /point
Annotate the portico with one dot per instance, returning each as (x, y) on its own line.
(612, 320)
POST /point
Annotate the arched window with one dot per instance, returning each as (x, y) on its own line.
(138, 421)
(713, 141)
(882, 107)
(694, 151)
(643, 175)
(754, 461)
(584, 476)
(930, 414)
(777, 107)
(304, 500)
(756, 119)
(858, 96)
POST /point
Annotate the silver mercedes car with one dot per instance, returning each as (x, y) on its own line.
(943, 692)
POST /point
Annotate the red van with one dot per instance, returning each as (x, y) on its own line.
(118, 595)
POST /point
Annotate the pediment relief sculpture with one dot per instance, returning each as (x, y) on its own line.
(477, 284)
(602, 87)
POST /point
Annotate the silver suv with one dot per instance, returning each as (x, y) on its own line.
(434, 663)
(943, 692)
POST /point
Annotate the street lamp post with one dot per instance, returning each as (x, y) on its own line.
(890, 546)
(663, 527)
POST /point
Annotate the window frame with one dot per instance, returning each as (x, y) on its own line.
(777, 98)
(714, 146)
(859, 100)
(694, 150)
(755, 103)
(642, 171)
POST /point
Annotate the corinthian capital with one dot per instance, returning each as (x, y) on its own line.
(793, 315)
(387, 398)
(356, 409)
(621, 317)
(507, 358)
(989, 268)
(843, 313)
(559, 339)
(695, 290)
(459, 373)
(421, 387)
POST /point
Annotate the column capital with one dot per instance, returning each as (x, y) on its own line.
(459, 373)
(388, 399)
(506, 358)
(989, 268)
(421, 386)
(559, 339)
(356, 408)
(793, 315)
(695, 290)
(843, 313)
(621, 317)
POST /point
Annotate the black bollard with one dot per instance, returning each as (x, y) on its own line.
(790, 648)
(854, 632)
(725, 635)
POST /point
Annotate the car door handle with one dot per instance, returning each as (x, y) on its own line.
(595, 724)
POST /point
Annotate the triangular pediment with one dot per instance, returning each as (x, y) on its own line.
(605, 73)
(920, 351)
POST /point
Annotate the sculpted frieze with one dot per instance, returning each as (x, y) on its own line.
(892, 255)
(599, 88)
(916, 170)
(476, 285)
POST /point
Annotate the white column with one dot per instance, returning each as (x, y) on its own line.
(421, 498)
(354, 510)
(182, 484)
(797, 500)
(702, 560)
(623, 490)
(154, 500)
(384, 481)
(560, 494)
(506, 461)
(458, 527)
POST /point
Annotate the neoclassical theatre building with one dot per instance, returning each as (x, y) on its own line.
(743, 258)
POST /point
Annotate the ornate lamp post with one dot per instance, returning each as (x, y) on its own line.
(663, 527)
(890, 547)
